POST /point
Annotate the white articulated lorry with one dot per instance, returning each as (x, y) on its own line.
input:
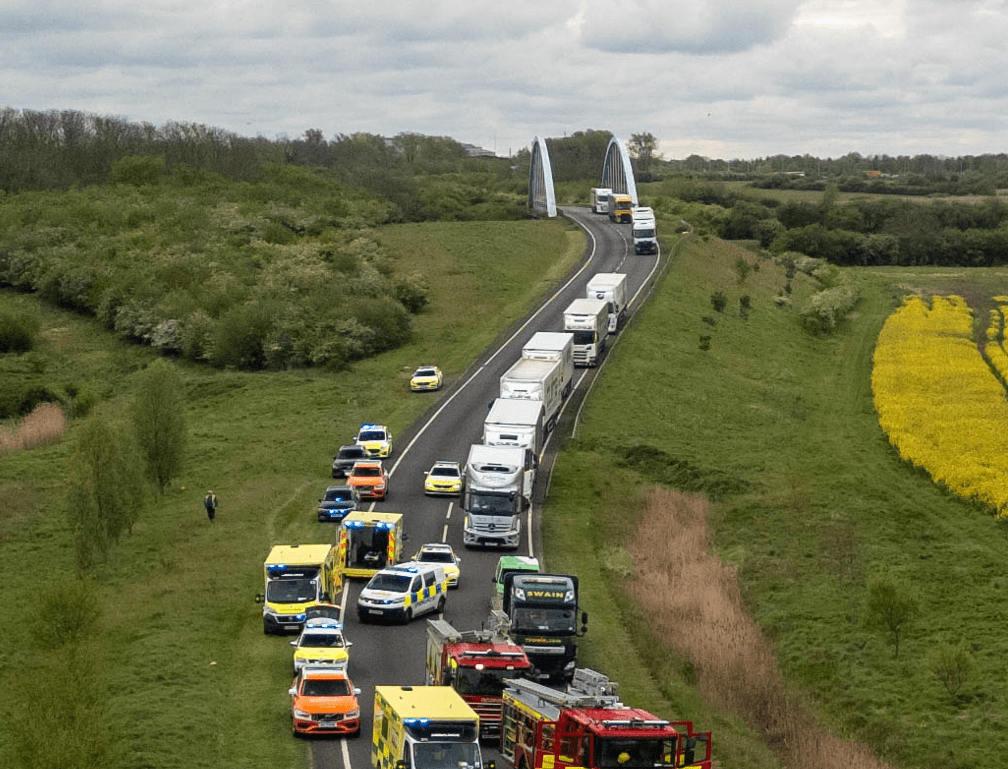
(515, 422)
(612, 287)
(600, 200)
(644, 230)
(553, 345)
(588, 320)
(498, 486)
(537, 380)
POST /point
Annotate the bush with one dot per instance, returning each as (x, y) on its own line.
(18, 332)
(951, 665)
(68, 613)
(137, 170)
(826, 309)
(718, 301)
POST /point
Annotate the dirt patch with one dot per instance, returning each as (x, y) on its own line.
(695, 605)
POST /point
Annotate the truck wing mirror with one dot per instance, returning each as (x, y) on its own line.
(259, 598)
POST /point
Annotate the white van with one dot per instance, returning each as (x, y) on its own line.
(403, 592)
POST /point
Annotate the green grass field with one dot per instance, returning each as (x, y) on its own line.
(776, 427)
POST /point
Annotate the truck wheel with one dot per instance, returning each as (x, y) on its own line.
(441, 605)
(407, 616)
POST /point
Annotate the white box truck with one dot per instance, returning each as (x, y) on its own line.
(553, 345)
(644, 231)
(600, 200)
(498, 486)
(515, 422)
(537, 380)
(612, 287)
(588, 320)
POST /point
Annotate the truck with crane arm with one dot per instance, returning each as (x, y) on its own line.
(586, 726)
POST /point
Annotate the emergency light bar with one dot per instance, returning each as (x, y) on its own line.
(635, 723)
(381, 525)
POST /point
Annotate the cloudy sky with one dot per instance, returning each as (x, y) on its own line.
(722, 78)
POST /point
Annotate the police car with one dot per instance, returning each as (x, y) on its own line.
(376, 440)
(403, 592)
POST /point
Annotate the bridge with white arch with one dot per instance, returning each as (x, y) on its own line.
(617, 175)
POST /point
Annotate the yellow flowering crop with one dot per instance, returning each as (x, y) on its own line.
(938, 401)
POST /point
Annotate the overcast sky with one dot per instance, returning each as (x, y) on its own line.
(721, 78)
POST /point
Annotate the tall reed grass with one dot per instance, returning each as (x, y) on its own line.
(696, 608)
(44, 425)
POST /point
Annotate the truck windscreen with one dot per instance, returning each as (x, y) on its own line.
(633, 753)
(488, 682)
(442, 755)
(544, 619)
(584, 337)
(483, 503)
(290, 590)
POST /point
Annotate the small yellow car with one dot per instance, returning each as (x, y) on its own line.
(426, 378)
(321, 643)
(443, 478)
(376, 440)
(442, 554)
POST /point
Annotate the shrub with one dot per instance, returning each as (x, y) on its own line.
(718, 301)
(826, 309)
(68, 613)
(18, 332)
(951, 665)
(411, 292)
(137, 170)
(240, 337)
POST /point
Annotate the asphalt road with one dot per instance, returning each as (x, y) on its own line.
(394, 654)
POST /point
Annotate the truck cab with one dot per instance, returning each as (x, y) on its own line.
(588, 320)
(477, 664)
(498, 487)
(542, 610)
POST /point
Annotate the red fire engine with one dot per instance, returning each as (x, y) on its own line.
(587, 726)
(476, 664)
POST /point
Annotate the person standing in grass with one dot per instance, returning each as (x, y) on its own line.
(210, 503)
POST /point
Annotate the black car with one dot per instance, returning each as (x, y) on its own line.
(344, 460)
(336, 502)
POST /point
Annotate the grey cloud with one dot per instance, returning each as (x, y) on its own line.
(706, 27)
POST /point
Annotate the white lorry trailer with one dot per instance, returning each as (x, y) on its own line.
(644, 231)
(588, 320)
(553, 345)
(537, 380)
(600, 200)
(515, 422)
(612, 287)
(498, 486)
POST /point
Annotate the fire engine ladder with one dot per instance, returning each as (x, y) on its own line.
(588, 689)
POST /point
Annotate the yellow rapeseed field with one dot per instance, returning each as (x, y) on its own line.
(938, 401)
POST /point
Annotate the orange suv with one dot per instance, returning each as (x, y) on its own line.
(324, 700)
(369, 479)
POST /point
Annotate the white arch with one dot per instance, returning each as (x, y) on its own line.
(617, 173)
(542, 197)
